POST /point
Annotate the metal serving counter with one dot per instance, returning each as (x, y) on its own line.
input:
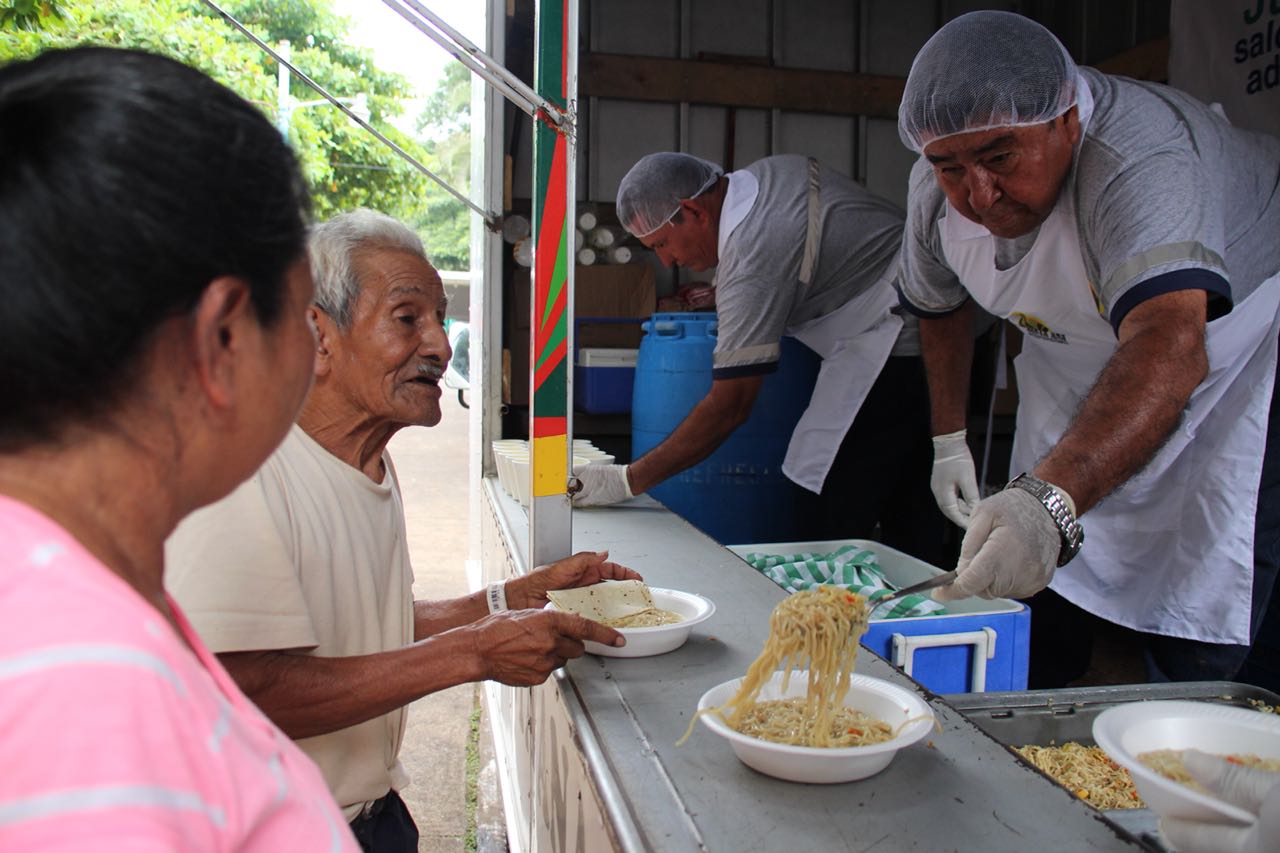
(589, 761)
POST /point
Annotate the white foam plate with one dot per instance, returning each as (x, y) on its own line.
(660, 639)
(873, 696)
(1126, 731)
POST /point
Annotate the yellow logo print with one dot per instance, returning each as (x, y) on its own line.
(1034, 326)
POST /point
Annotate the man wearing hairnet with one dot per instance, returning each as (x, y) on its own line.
(1134, 236)
(805, 251)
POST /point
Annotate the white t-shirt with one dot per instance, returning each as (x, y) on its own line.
(309, 553)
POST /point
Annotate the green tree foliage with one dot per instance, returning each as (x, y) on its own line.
(346, 166)
(28, 14)
(444, 127)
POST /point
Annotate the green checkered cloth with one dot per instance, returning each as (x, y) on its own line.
(852, 568)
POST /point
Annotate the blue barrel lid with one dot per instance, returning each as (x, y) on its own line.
(682, 324)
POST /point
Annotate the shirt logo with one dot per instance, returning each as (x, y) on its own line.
(1037, 328)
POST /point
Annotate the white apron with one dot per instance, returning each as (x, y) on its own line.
(1171, 551)
(854, 341)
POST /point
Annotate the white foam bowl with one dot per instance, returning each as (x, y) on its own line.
(873, 696)
(1126, 731)
(660, 639)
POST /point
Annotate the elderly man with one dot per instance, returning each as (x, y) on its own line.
(300, 579)
(799, 250)
(1131, 232)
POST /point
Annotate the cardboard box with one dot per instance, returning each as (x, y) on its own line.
(610, 301)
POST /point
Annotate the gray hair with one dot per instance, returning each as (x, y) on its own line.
(332, 246)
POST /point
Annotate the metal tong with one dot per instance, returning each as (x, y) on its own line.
(935, 581)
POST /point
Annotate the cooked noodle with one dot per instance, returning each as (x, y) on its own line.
(1168, 763)
(650, 617)
(816, 630)
(786, 721)
(1088, 773)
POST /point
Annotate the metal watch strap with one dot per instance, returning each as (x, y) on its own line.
(1068, 528)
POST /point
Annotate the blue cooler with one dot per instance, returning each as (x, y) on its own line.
(603, 380)
(976, 646)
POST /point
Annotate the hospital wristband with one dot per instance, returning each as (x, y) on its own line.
(496, 595)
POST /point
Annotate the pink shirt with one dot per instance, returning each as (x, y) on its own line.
(114, 736)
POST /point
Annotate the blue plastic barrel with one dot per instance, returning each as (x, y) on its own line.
(739, 493)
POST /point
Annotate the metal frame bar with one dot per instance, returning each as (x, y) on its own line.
(486, 67)
(551, 322)
(492, 220)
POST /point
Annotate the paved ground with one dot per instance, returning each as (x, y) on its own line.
(432, 466)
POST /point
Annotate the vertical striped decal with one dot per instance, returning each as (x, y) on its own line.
(552, 255)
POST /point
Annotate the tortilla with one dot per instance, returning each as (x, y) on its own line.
(607, 600)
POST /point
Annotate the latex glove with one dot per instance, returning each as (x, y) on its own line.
(582, 569)
(1009, 551)
(1255, 791)
(602, 485)
(954, 483)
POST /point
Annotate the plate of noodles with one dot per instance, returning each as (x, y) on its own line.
(801, 713)
(1148, 738)
(881, 717)
(654, 620)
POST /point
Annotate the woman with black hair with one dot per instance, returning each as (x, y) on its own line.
(154, 349)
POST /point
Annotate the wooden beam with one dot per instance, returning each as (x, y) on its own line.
(735, 84)
(742, 84)
(1147, 61)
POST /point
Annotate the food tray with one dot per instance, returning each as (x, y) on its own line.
(1053, 717)
(1047, 717)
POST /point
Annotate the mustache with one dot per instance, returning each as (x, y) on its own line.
(431, 370)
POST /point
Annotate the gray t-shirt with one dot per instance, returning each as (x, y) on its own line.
(758, 290)
(1162, 184)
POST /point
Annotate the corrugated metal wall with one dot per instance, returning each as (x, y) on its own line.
(865, 36)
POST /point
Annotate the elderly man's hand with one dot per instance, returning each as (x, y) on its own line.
(582, 569)
(1009, 551)
(522, 647)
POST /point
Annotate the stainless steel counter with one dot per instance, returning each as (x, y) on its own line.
(958, 790)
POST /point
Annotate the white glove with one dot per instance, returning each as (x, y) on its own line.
(954, 483)
(1255, 791)
(601, 485)
(1010, 550)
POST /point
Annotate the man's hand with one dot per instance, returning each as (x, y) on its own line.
(522, 647)
(582, 569)
(954, 483)
(602, 485)
(1255, 791)
(1010, 550)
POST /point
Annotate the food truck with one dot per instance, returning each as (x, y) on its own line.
(589, 760)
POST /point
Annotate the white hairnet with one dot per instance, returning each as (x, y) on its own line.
(650, 194)
(985, 70)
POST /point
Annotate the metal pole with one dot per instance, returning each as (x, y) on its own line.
(492, 220)
(284, 107)
(484, 66)
(551, 323)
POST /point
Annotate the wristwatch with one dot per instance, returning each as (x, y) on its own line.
(1068, 528)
